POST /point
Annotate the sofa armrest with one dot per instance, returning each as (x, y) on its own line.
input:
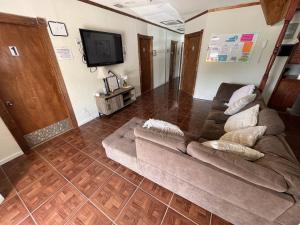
(239, 167)
(172, 141)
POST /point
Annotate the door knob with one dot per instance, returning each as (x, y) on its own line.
(9, 104)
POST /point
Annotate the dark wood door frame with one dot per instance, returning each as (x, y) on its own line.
(4, 113)
(195, 34)
(151, 58)
(171, 58)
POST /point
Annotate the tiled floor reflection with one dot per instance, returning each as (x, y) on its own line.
(69, 180)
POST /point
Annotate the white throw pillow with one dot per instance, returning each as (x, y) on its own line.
(247, 136)
(163, 126)
(239, 104)
(244, 119)
(242, 92)
(227, 146)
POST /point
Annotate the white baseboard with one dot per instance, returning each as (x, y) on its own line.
(11, 157)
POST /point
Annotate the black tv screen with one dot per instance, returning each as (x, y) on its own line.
(101, 48)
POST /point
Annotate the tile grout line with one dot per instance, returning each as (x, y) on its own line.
(137, 188)
(17, 194)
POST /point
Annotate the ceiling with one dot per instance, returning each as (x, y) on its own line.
(172, 11)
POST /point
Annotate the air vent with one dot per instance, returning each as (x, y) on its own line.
(119, 6)
(171, 22)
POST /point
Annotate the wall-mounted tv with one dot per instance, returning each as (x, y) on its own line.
(101, 48)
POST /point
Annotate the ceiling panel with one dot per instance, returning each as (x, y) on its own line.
(157, 11)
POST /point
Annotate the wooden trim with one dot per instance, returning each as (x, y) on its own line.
(125, 14)
(195, 34)
(234, 6)
(19, 20)
(196, 16)
(290, 13)
(151, 59)
(13, 127)
(5, 115)
(274, 11)
(223, 8)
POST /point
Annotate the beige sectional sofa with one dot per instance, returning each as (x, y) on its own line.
(264, 192)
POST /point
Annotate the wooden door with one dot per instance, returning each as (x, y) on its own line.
(173, 54)
(285, 93)
(29, 86)
(192, 45)
(146, 62)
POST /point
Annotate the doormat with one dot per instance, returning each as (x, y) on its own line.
(44, 134)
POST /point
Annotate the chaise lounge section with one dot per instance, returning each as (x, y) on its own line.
(264, 192)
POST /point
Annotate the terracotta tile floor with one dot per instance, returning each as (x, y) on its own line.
(69, 180)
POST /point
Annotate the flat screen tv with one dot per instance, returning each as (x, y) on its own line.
(101, 48)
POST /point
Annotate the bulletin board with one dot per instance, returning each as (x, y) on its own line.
(231, 47)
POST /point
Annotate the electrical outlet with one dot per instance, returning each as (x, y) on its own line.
(78, 41)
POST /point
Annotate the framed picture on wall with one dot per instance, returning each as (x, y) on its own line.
(58, 29)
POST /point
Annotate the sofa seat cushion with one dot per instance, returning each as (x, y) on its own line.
(270, 118)
(289, 170)
(218, 116)
(235, 165)
(120, 145)
(212, 130)
(274, 145)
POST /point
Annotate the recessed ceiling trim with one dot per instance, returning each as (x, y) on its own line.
(125, 14)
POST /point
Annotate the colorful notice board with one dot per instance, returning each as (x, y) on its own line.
(231, 47)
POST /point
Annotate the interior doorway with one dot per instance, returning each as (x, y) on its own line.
(145, 44)
(33, 100)
(192, 46)
(287, 90)
(173, 55)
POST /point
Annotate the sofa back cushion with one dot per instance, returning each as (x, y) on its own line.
(173, 141)
(233, 164)
(270, 118)
(226, 90)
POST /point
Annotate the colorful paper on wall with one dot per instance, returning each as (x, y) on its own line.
(231, 47)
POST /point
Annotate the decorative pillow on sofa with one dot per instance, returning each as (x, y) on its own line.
(242, 92)
(244, 119)
(247, 136)
(163, 126)
(227, 146)
(239, 104)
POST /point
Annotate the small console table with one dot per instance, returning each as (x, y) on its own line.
(108, 104)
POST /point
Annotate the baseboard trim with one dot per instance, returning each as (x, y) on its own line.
(11, 157)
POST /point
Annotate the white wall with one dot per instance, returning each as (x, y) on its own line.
(242, 20)
(80, 82)
(9, 148)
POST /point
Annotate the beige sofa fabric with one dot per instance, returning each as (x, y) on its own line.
(173, 141)
(233, 164)
(213, 180)
(270, 118)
